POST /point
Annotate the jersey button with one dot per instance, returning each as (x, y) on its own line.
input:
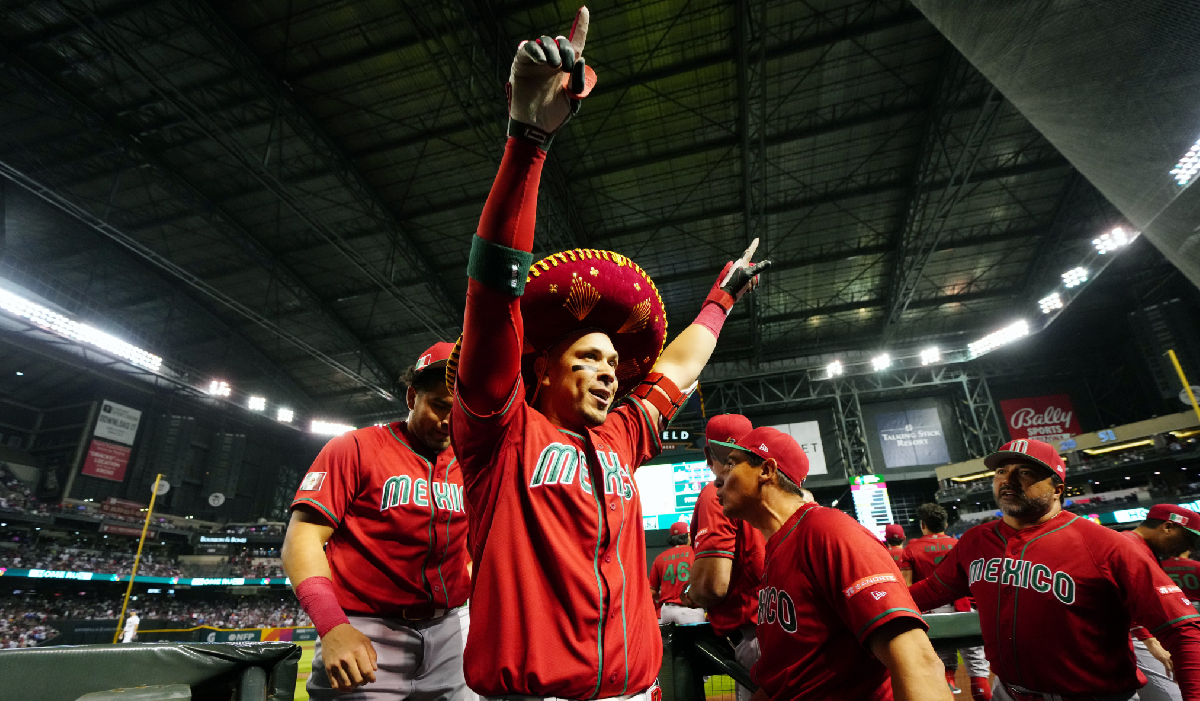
(437, 587)
(613, 677)
(608, 558)
(612, 506)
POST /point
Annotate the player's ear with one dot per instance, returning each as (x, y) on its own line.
(540, 364)
(769, 468)
(411, 397)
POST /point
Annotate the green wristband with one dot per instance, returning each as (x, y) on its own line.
(499, 267)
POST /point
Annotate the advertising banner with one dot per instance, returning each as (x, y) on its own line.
(1050, 418)
(912, 437)
(121, 529)
(808, 435)
(117, 422)
(106, 461)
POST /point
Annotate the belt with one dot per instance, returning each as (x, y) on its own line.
(424, 612)
(1020, 693)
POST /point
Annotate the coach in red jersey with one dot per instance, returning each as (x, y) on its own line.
(918, 559)
(729, 554)
(893, 539)
(376, 551)
(561, 390)
(835, 619)
(1056, 592)
(670, 574)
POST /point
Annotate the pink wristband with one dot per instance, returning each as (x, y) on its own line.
(319, 601)
(712, 317)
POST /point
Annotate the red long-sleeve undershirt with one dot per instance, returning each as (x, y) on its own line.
(1183, 642)
(493, 331)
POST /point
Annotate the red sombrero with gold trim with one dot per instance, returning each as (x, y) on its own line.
(588, 289)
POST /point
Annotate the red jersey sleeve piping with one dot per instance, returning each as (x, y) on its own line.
(498, 415)
(649, 424)
(888, 615)
(712, 553)
(954, 590)
(307, 501)
(1174, 621)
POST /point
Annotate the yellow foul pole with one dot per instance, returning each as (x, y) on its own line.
(1186, 386)
(136, 559)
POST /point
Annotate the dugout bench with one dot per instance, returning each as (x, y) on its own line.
(692, 652)
(198, 671)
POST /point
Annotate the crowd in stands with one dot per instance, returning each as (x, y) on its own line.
(25, 619)
(248, 529)
(116, 558)
(17, 496)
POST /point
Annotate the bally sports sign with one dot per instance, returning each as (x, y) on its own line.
(1051, 418)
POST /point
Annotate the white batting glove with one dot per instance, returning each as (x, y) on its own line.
(548, 79)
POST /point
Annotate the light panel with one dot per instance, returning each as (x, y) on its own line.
(994, 340)
(834, 369)
(326, 428)
(53, 321)
(1187, 167)
(1050, 302)
(881, 362)
(219, 388)
(929, 356)
(1075, 277)
(257, 403)
(1117, 238)
(284, 415)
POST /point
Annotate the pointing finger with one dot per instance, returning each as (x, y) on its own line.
(534, 51)
(759, 267)
(579, 30)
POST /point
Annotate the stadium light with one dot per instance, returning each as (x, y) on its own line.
(1187, 167)
(929, 356)
(284, 415)
(833, 369)
(53, 321)
(881, 362)
(1075, 277)
(1118, 237)
(257, 403)
(1050, 302)
(994, 340)
(325, 428)
(219, 388)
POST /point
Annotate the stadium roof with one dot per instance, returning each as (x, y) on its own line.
(283, 194)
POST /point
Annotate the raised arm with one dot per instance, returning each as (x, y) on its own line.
(547, 80)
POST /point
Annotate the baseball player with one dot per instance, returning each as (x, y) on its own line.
(131, 626)
(561, 390)
(376, 551)
(1185, 572)
(835, 619)
(670, 574)
(920, 557)
(893, 538)
(1056, 592)
(729, 554)
(1167, 531)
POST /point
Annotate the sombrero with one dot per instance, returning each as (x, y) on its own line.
(588, 289)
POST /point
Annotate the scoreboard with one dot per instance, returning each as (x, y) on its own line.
(871, 503)
(669, 492)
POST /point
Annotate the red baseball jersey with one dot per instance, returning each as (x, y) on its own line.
(1067, 575)
(826, 589)
(897, 553)
(715, 535)
(1186, 575)
(923, 555)
(400, 528)
(560, 605)
(670, 573)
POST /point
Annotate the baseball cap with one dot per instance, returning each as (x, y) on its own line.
(679, 528)
(722, 431)
(893, 530)
(767, 442)
(1032, 451)
(1189, 520)
(437, 353)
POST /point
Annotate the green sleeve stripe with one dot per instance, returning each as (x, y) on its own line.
(499, 267)
(887, 613)
(713, 553)
(649, 425)
(952, 589)
(1173, 621)
(503, 411)
(319, 505)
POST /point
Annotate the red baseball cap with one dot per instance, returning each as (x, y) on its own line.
(722, 432)
(679, 528)
(1031, 451)
(437, 353)
(768, 443)
(1188, 519)
(893, 530)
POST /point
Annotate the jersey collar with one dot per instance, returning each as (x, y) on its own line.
(1059, 519)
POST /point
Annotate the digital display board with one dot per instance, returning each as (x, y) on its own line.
(669, 492)
(871, 503)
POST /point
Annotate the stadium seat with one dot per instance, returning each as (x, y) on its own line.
(213, 671)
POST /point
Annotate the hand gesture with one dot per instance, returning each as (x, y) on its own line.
(349, 657)
(549, 77)
(737, 278)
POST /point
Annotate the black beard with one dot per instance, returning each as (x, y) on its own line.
(1028, 508)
